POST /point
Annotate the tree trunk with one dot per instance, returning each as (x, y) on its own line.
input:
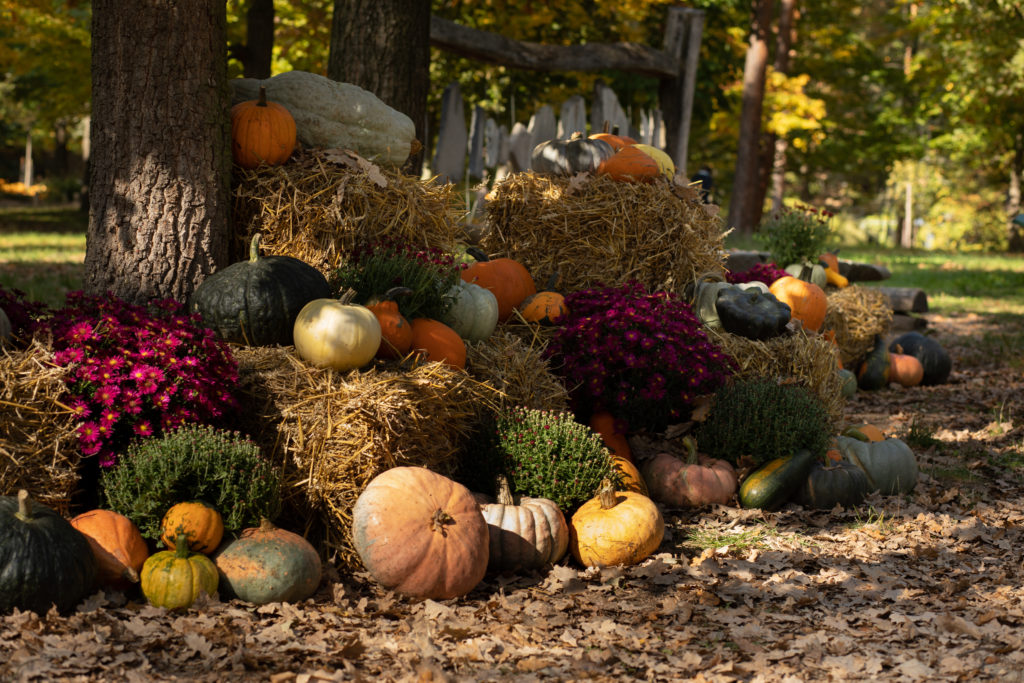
(259, 39)
(384, 46)
(773, 164)
(743, 209)
(160, 166)
(1013, 205)
(28, 171)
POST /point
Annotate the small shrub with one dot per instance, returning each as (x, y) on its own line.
(795, 235)
(763, 419)
(547, 454)
(220, 468)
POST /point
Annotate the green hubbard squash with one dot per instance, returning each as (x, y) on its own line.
(890, 464)
(836, 483)
(776, 481)
(267, 564)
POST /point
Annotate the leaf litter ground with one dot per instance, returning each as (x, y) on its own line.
(922, 588)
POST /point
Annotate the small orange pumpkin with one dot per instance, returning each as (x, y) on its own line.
(545, 307)
(438, 342)
(905, 369)
(395, 330)
(630, 164)
(261, 132)
(612, 431)
(508, 279)
(613, 138)
(201, 525)
(116, 543)
(806, 300)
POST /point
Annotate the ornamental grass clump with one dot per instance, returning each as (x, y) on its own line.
(795, 235)
(220, 468)
(374, 268)
(763, 419)
(138, 371)
(547, 454)
(642, 357)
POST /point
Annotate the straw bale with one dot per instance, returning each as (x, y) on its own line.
(38, 438)
(856, 315)
(330, 432)
(809, 360)
(513, 372)
(322, 203)
(594, 230)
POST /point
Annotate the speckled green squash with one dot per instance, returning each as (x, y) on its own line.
(176, 578)
(255, 302)
(267, 564)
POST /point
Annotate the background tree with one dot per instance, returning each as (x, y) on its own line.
(161, 160)
(383, 46)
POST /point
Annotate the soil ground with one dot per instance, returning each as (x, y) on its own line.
(928, 587)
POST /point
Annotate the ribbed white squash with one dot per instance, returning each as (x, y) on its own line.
(332, 115)
(473, 313)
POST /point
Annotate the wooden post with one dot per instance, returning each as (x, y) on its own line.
(684, 29)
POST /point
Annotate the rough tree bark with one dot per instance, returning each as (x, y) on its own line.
(743, 205)
(384, 46)
(160, 155)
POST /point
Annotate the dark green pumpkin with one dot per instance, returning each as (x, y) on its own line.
(751, 312)
(847, 383)
(775, 482)
(268, 564)
(44, 561)
(255, 302)
(841, 483)
(578, 154)
(873, 372)
(934, 359)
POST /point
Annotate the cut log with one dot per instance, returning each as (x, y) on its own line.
(904, 322)
(863, 272)
(906, 299)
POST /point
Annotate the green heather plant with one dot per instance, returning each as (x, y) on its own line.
(220, 468)
(763, 419)
(373, 269)
(795, 235)
(547, 454)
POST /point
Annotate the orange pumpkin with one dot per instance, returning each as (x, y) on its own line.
(630, 164)
(420, 533)
(612, 432)
(698, 480)
(395, 330)
(116, 543)
(806, 300)
(905, 369)
(615, 528)
(438, 342)
(613, 138)
(509, 280)
(546, 306)
(202, 526)
(629, 476)
(261, 132)
(830, 260)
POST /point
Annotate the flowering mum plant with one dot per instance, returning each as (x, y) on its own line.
(374, 268)
(138, 371)
(759, 272)
(643, 357)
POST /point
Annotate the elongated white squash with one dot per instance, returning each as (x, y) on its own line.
(332, 115)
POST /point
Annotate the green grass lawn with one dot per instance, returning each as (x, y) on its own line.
(42, 250)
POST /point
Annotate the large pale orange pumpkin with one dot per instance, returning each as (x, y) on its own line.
(509, 280)
(116, 543)
(806, 300)
(420, 534)
(696, 481)
(201, 525)
(261, 132)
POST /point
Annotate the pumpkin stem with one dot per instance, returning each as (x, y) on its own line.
(181, 548)
(347, 296)
(439, 520)
(396, 292)
(504, 492)
(477, 253)
(24, 512)
(261, 99)
(691, 449)
(266, 525)
(607, 495)
(254, 248)
(604, 129)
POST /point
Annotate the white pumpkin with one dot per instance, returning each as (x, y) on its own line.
(331, 333)
(473, 313)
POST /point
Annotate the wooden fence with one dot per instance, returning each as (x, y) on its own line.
(464, 153)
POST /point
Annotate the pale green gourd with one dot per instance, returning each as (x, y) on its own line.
(473, 313)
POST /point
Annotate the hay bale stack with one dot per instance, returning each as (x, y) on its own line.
(594, 230)
(332, 432)
(513, 372)
(855, 315)
(798, 357)
(38, 438)
(322, 203)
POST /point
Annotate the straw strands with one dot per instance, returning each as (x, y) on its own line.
(856, 315)
(38, 438)
(515, 373)
(594, 230)
(322, 203)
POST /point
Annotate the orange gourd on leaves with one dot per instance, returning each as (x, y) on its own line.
(905, 369)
